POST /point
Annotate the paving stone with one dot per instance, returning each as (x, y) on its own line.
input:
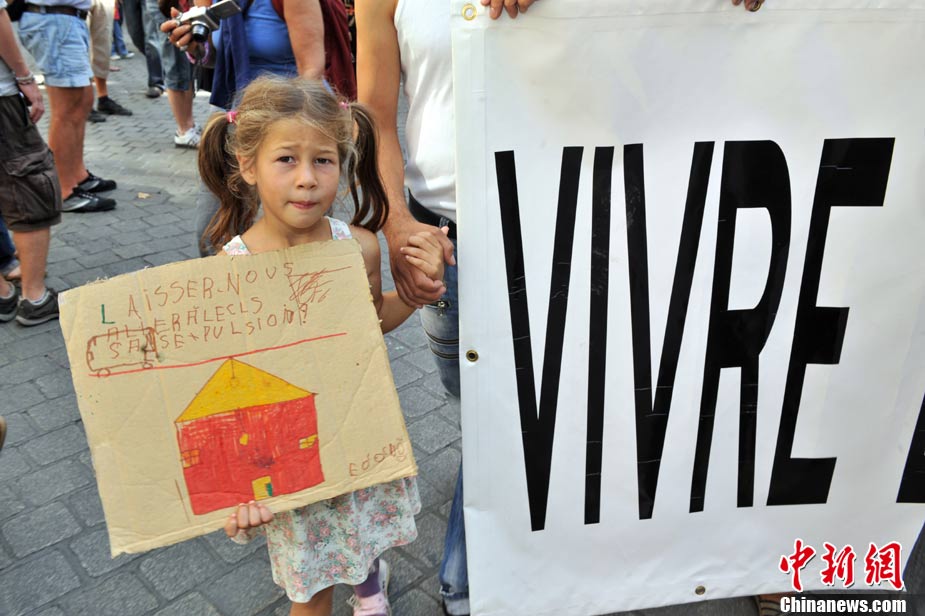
(423, 360)
(404, 373)
(416, 603)
(451, 411)
(53, 611)
(432, 383)
(99, 259)
(13, 464)
(412, 334)
(179, 568)
(119, 595)
(404, 573)
(428, 548)
(20, 397)
(50, 482)
(163, 258)
(56, 445)
(27, 370)
(190, 605)
(10, 503)
(92, 550)
(83, 277)
(246, 590)
(416, 402)
(39, 528)
(161, 219)
(56, 384)
(230, 551)
(396, 347)
(35, 582)
(441, 470)
(431, 497)
(34, 345)
(58, 252)
(132, 237)
(87, 506)
(432, 433)
(52, 414)
(19, 430)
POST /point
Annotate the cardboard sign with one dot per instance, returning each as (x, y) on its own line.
(692, 270)
(208, 383)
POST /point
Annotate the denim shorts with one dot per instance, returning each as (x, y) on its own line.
(60, 45)
(178, 72)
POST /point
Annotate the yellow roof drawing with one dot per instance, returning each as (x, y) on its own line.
(239, 386)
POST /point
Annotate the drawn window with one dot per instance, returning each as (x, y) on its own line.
(305, 443)
(190, 458)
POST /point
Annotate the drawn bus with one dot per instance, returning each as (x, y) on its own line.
(121, 348)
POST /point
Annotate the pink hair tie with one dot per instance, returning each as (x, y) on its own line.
(344, 105)
(232, 116)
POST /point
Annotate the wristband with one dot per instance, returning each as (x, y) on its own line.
(28, 80)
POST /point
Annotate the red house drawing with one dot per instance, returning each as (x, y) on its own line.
(247, 435)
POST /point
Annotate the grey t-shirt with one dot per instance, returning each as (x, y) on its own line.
(7, 80)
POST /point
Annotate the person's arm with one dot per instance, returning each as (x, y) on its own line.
(306, 34)
(391, 309)
(12, 57)
(378, 77)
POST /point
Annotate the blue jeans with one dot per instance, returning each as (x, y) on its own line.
(7, 250)
(441, 324)
(118, 43)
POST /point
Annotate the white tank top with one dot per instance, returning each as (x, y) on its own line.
(423, 28)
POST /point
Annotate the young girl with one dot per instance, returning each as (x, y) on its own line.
(286, 148)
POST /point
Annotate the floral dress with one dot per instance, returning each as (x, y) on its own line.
(336, 541)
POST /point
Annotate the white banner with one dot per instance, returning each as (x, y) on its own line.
(693, 296)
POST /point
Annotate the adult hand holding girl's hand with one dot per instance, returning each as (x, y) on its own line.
(425, 253)
(247, 516)
(414, 287)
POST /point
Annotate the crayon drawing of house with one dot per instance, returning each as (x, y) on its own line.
(247, 435)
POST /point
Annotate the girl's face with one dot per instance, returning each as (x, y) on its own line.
(296, 172)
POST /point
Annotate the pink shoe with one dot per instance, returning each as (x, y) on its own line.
(378, 603)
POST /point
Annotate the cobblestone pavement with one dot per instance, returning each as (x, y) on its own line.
(54, 552)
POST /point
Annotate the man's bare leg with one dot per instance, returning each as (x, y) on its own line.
(66, 129)
(33, 258)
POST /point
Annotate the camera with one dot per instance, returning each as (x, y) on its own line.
(204, 19)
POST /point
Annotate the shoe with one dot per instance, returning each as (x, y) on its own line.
(154, 91)
(110, 107)
(95, 184)
(8, 306)
(124, 56)
(2, 431)
(460, 607)
(378, 603)
(87, 202)
(30, 313)
(115, 56)
(189, 139)
(95, 116)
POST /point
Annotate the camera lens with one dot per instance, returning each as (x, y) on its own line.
(200, 32)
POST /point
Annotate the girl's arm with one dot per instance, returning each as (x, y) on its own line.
(423, 252)
(391, 310)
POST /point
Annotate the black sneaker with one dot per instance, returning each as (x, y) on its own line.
(80, 201)
(96, 184)
(95, 116)
(30, 313)
(110, 107)
(8, 306)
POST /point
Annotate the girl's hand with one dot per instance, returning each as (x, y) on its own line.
(247, 516)
(425, 252)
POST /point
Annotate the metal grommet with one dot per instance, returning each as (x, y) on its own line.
(472, 356)
(469, 12)
(700, 590)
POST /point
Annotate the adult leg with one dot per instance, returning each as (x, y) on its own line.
(134, 20)
(101, 16)
(33, 254)
(441, 324)
(320, 605)
(66, 130)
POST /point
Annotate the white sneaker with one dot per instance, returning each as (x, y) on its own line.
(189, 139)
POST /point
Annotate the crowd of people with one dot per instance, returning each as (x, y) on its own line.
(295, 121)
